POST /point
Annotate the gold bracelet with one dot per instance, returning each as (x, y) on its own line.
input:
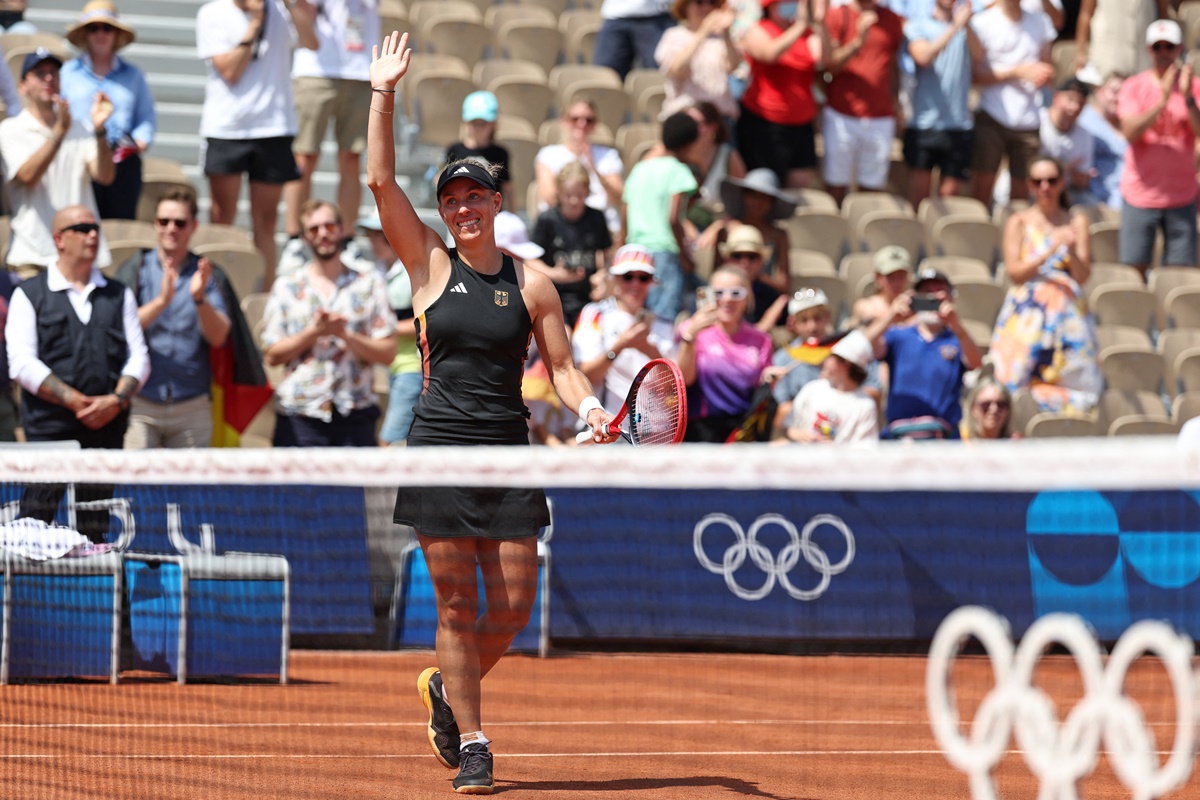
(380, 111)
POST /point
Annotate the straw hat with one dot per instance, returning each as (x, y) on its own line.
(99, 11)
(743, 239)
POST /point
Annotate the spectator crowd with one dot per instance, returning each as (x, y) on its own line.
(772, 110)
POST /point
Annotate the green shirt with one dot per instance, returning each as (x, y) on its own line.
(648, 192)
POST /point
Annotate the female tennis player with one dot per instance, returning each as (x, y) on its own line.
(475, 310)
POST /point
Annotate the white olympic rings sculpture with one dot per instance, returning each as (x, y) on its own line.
(1060, 755)
(775, 567)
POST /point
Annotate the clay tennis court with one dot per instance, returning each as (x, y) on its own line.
(350, 725)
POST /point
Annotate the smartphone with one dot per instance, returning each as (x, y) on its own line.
(704, 297)
(925, 302)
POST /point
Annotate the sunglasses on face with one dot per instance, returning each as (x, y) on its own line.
(993, 405)
(746, 256)
(1160, 47)
(1044, 181)
(320, 226)
(171, 222)
(81, 227)
(733, 293)
(640, 277)
(586, 120)
(99, 26)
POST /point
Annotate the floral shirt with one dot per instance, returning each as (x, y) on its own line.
(328, 375)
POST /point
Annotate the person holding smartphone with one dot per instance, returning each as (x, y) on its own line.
(926, 361)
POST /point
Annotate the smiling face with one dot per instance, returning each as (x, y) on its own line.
(990, 411)
(174, 224)
(730, 288)
(572, 198)
(323, 231)
(468, 210)
(811, 323)
(1045, 183)
(40, 84)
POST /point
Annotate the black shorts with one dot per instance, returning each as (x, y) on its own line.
(266, 160)
(949, 151)
(779, 148)
(488, 512)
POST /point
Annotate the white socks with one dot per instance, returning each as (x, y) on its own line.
(475, 737)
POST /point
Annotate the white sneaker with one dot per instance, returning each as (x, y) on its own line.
(293, 256)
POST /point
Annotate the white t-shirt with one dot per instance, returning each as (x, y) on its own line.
(260, 104)
(607, 162)
(1074, 149)
(346, 30)
(621, 9)
(66, 182)
(1006, 44)
(597, 330)
(848, 416)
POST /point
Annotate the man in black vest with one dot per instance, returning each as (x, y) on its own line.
(76, 348)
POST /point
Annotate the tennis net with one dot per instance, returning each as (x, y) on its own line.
(744, 619)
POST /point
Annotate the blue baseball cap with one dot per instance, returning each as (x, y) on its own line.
(480, 105)
(37, 57)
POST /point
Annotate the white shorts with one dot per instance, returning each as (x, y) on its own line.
(858, 146)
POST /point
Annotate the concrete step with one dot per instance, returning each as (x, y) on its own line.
(152, 29)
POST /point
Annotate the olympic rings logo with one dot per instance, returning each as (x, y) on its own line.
(776, 568)
(1060, 755)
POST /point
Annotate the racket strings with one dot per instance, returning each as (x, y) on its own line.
(656, 416)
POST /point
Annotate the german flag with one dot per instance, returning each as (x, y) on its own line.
(239, 383)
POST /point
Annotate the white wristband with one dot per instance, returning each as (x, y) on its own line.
(589, 404)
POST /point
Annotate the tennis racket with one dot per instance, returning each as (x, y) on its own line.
(655, 412)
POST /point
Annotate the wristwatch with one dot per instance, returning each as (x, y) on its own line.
(611, 355)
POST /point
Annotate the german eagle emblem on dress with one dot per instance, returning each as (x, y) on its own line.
(501, 298)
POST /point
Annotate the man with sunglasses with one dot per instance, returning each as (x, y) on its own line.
(76, 348)
(1158, 114)
(50, 161)
(327, 326)
(183, 313)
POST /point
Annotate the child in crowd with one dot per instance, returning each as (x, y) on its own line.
(479, 113)
(655, 196)
(576, 240)
(834, 408)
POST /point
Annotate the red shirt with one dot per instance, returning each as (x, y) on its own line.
(782, 92)
(864, 86)
(1159, 166)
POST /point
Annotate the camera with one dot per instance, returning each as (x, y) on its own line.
(925, 302)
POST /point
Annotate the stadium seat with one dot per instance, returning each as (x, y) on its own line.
(1024, 408)
(437, 100)
(809, 199)
(439, 64)
(956, 235)
(980, 333)
(523, 97)
(648, 104)
(877, 229)
(1108, 272)
(157, 165)
(932, 209)
(1105, 245)
(555, 7)
(253, 305)
(574, 19)
(1062, 56)
(855, 268)
(122, 250)
(857, 204)
(1115, 404)
(5, 234)
(465, 38)
(958, 268)
(580, 43)
(638, 81)
(1143, 426)
(564, 76)
(510, 127)
(632, 136)
(1162, 280)
(804, 263)
(487, 70)
(1108, 335)
(1182, 307)
(1123, 305)
(1046, 425)
(421, 10)
(215, 233)
(1184, 407)
(496, 15)
(1096, 212)
(611, 102)
(1171, 343)
(1129, 368)
(1187, 369)
(154, 186)
(243, 264)
(826, 231)
(529, 40)
(115, 230)
(978, 299)
(521, 154)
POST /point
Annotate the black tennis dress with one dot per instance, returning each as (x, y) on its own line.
(474, 340)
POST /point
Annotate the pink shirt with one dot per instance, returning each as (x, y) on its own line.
(1159, 167)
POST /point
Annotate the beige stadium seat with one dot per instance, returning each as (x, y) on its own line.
(858, 271)
(1142, 426)
(639, 80)
(563, 76)
(957, 268)
(612, 104)
(1165, 279)
(1024, 408)
(581, 44)
(632, 136)
(1116, 403)
(1108, 272)
(465, 38)
(421, 10)
(978, 299)
(1107, 335)
(215, 233)
(122, 250)
(857, 204)
(1186, 406)
(5, 233)
(510, 127)
(1187, 369)
(1171, 343)
(1130, 368)
(1124, 305)
(115, 230)
(877, 229)
(649, 103)
(826, 231)
(1096, 212)
(529, 40)
(805, 263)
(497, 15)
(487, 70)
(521, 153)
(1105, 244)
(573, 19)
(1046, 425)
(154, 187)
(932, 209)
(524, 98)
(1183, 307)
(440, 64)
(1062, 56)
(956, 235)
(157, 165)
(437, 106)
(809, 199)
(244, 265)
(555, 7)
(253, 306)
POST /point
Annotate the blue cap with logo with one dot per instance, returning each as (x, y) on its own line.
(37, 57)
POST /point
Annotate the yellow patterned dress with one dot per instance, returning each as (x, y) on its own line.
(1045, 338)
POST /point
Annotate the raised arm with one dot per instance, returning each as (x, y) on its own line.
(411, 238)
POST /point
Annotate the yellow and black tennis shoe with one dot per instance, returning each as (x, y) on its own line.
(443, 730)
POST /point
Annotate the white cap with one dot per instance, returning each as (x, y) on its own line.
(855, 348)
(805, 299)
(512, 237)
(1164, 30)
(632, 258)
